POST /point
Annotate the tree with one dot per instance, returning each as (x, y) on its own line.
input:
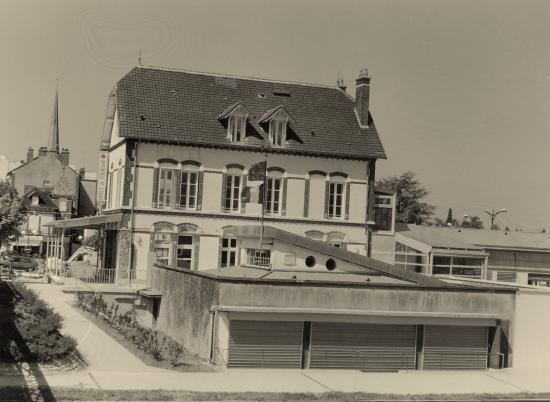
(449, 217)
(12, 211)
(474, 222)
(409, 192)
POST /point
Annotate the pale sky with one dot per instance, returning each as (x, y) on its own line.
(461, 89)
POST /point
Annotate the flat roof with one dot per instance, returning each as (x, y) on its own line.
(87, 221)
(472, 239)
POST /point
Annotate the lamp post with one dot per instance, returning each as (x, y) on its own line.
(493, 215)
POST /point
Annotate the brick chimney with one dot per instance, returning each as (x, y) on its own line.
(30, 154)
(362, 94)
(64, 157)
(42, 151)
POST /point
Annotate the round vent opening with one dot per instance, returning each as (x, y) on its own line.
(310, 261)
(330, 264)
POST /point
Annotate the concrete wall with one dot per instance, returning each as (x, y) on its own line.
(383, 247)
(187, 299)
(185, 308)
(531, 344)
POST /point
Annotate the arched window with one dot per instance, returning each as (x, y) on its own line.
(336, 239)
(315, 235)
(162, 240)
(164, 184)
(187, 246)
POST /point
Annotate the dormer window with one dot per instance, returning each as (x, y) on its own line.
(277, 132)
(235, 118)
(237, 128)
(278, 120)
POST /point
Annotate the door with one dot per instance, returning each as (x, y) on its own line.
(275, 344)
(455, 347)
(370, 347)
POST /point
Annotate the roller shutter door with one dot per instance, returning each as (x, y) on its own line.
(370, 347)
(455, 348)
(276, 344)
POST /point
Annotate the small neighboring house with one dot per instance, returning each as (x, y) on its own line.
(181, 160)
(320, 306)
(51, 189)
(518, 257)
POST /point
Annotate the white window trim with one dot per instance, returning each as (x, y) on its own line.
(229, 250)
(253, 256)
(270, 211)
(165, 205)
(185, 205)
(332, 214)
(273, 134)
(231, 127)
(232, 193)
(168, 245)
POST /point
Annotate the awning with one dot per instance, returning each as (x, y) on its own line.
(87, 221)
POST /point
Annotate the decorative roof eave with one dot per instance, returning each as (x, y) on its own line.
(272, 112)
(230, 110)
(263, 149)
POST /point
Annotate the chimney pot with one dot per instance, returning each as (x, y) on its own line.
(30, 154)
(42, 151)
(362, 95)
(341, 85)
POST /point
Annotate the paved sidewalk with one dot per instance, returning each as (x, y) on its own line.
(111, 366)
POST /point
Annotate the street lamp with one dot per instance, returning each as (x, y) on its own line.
(493, 215)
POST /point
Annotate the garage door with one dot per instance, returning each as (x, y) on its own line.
(370, 347)
(265, 344)
(455, 348)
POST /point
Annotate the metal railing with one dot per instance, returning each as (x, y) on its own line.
(93, 275)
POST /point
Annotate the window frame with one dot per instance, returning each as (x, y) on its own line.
(229, 250)
(237, 121)
(230, 192)
(187, 184)
(254, 257)
(278, 132)
(161, 187)
(380, 205)
(185, 246)
(451, 266)
(333, 197)
(271, 205)
(166, 245)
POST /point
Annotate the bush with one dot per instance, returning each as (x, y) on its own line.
(33, 330)
(174, 350)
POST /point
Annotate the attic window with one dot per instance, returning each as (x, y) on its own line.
(281, 92)
(35, 200)
(277, 132)
(236, 128)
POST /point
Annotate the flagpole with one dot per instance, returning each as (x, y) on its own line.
(263, 203)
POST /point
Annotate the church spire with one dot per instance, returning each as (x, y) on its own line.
(53, 144)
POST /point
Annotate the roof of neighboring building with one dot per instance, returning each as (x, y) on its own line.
(184, 107)
(444, 237)
(300, 275)
(43, 194)
(363, 263)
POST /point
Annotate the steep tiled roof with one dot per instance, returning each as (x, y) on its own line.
(183, 107)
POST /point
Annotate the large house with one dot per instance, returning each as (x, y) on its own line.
(177, 153)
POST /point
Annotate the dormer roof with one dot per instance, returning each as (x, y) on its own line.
(274, 113)
(185, 107)
(236, 108)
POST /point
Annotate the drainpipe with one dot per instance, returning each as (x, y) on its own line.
(132, 202)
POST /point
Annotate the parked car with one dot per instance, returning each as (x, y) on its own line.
(20, 263)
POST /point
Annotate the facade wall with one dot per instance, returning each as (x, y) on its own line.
(210, 230)
(383, 247)
(532, 330)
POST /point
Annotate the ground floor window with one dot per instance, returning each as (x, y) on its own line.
(258, 258)
(162, 243)
(410, 258)
(538, 280)
(228, 251)
(184, 256)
